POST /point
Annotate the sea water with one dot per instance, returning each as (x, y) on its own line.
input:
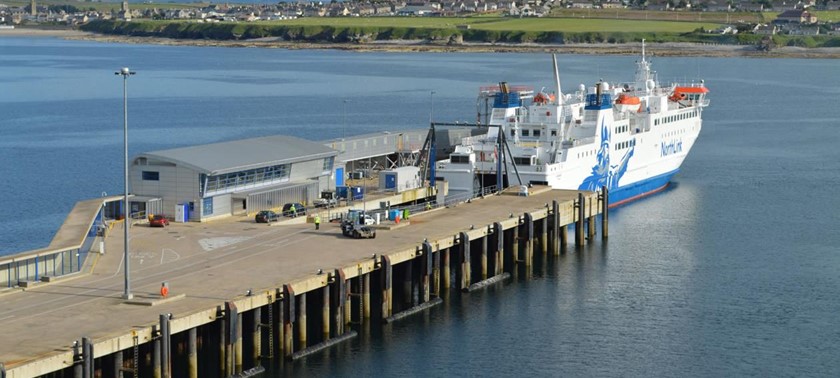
(732, 271)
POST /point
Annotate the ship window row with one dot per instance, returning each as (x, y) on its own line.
(236, 180)
(529, 132)
(585, 154)
(523, 160)
(626, 144)
(622, 129)
(675, 117)
(674, 133)
(459, 159)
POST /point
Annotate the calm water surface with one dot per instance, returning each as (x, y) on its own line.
(733, 271)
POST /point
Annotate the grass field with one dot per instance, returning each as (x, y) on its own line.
(506, 24)
(104, 6)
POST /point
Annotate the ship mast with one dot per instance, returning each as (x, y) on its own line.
(643, 72)
(557, 81)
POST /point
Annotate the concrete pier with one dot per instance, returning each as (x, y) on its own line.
(234, 275)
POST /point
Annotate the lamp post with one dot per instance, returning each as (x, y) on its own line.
(125, 73)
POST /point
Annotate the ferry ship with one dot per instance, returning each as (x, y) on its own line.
(628, 137)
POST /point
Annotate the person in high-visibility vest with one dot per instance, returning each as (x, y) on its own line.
(317, 222)
(293, 211)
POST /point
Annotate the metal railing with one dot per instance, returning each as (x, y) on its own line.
(33, 267)
(19, 269)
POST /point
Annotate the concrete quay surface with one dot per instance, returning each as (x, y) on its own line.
(211, 263)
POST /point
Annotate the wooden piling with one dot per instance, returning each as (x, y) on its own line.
(407, 269)
(436, 272)
(447, 272)
(426, 268)
(580, 206)
(465, 260)
(256, 338)
(192, 353)
(156, 368)
(529, 241)
(166, 349)
(544, 233)
(515, 248)
(484, 257)
(340, 306)
(222, 346)
(591, 220)
(387, 278)
(118, 365)
(556, 239)
(366, 295)
(78, 363)
(344, 303)
(499, 249)
(87, 354)
(605, 207)
(289, 314)
(301, 321)
(325, 313)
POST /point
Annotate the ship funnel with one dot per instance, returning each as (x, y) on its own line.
(557, 80)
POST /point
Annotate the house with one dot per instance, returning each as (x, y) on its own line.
(804, 30)
(764, 29)
(797, 16)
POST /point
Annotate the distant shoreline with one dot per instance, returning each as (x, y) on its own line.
(33, 32)
(659, 49)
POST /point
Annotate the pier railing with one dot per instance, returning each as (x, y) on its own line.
(19, 270)
(66, 254)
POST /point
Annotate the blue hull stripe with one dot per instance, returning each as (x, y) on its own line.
(640, 189)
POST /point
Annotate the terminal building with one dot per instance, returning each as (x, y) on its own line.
(203, 182)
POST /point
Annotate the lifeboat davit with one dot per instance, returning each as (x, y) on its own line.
(626, 103)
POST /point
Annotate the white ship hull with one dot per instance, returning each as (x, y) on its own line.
(590, 142)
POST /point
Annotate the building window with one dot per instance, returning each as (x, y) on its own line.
(525, 132)
(536, 133)
(328, 164)
(151, 176)
(244, 179)
(207, 206)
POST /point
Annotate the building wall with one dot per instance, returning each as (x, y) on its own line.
(174, 185)
(221, 207)
(179, 185)
(306, 170)
(303, 193)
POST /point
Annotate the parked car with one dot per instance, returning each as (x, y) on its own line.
(158, 221)
(299, 209)
(328, 199)
(266, 216)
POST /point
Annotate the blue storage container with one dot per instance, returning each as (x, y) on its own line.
(358, 192)
(393, 214)
(341, 191)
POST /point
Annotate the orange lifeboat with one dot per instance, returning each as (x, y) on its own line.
(681, 93)
(628, 103)
(542, 98)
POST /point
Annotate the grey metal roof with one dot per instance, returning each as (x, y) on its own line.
(238, 155)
